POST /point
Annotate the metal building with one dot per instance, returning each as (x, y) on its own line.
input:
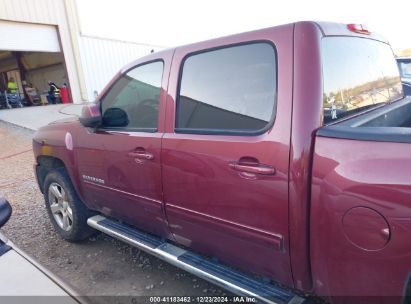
(101, 58)
(40, 40)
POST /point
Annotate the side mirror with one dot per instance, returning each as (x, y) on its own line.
(5, 211)
(115, 117)
(90, 116)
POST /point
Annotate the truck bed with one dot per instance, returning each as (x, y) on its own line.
(389, 123)
(360, 211)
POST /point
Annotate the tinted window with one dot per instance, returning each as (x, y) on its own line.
(135, 95)
(405, 67)
(230, 89)
(358, 75)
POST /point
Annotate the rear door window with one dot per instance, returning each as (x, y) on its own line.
(359, 74)
(228, 90)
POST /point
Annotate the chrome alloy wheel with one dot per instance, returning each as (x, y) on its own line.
(60, 208)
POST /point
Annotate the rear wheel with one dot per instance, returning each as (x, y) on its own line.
(67, 213)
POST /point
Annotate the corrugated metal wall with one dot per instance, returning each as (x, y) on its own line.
(51, 12)
(37, 11)
(103, 58)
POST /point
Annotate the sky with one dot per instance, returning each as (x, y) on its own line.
(172, 23)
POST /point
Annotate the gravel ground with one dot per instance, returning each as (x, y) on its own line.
(101, 267)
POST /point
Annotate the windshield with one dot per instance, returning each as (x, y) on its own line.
(358, 74)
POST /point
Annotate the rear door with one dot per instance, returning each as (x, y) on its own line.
(225, 153)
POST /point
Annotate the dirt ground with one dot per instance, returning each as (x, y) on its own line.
(106, 270)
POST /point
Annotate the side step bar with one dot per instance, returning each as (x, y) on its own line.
(214, 272)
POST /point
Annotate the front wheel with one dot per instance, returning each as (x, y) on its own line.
(67, 213)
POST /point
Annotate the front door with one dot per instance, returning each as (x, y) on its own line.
(119, 164)
(226, 154)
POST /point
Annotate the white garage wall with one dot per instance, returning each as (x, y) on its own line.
(103, 58)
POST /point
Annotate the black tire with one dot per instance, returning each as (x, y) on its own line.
(77, 228)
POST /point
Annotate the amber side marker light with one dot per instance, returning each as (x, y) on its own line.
(358, 28)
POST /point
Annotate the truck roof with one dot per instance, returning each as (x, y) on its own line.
(326, 28)
(341, 29)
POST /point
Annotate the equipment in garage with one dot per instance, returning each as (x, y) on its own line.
(30, 54)
(9, 100)
(34, 68)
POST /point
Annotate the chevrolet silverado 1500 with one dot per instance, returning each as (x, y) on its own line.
(268, 162)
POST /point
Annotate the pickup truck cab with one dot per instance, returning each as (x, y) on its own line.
(266, 162)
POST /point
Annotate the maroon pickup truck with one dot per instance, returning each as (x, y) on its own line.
(274, 163)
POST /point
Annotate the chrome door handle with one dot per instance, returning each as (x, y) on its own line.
(141, 155)
(255, 169)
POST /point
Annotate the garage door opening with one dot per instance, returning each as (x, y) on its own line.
(30, 72)
(30, 58)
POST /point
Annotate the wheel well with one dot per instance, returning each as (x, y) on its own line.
(45, 165)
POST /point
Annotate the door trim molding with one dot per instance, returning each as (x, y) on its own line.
(274, 239)
(123, 192)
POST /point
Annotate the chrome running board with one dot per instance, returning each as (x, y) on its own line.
(232, 280)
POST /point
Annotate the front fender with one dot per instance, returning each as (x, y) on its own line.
(56, 142)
